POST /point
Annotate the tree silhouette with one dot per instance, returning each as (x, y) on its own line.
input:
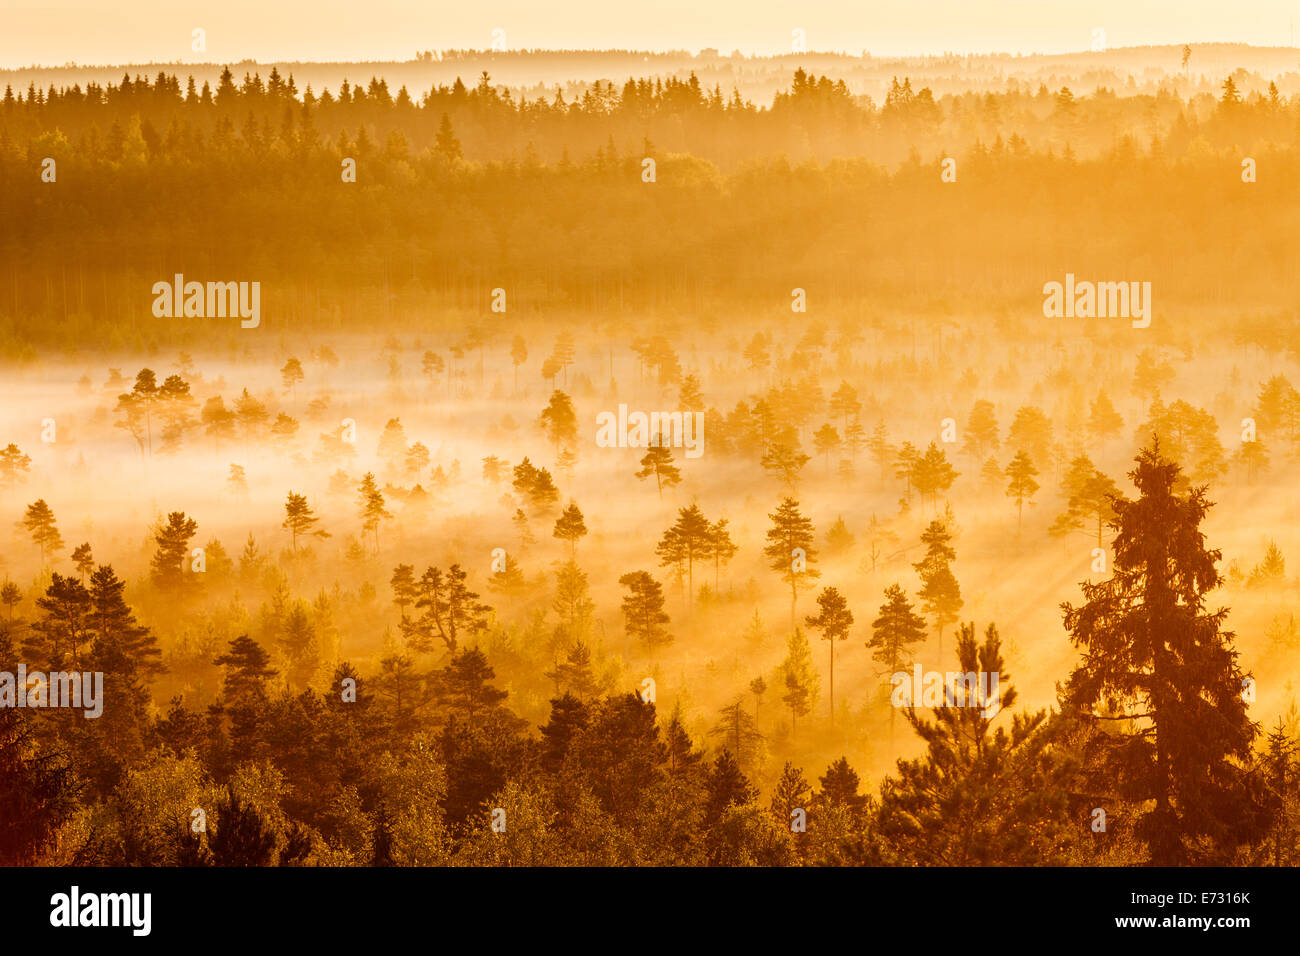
(14, 465)
(1021, 485)
(977, 796)
(1088, 493)
(292, 375)
(789, 549)
(690, 539)
(833, 619)
(940, 593)
(643, 609)
(798, 678)
(1159, 668)
(560, 421)
(300, 519)
(658, 461)
(39, 522)
(372, 510)
(448, 609)
(167, 569)
(569, 527)
(891, 633)
(721, 548)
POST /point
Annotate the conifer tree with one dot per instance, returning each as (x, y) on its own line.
(40, 524)
(372, 510)
(1161, 674)
(168, 567)
(891, 633)
(798, 678)
(570, 527)
(690, 539)
(300, 519)
(643, 609)
(1021, 486)
(83, 560)
(978, 796)
(940, 593)
(789, 549)
(658, 461)
(833, 619)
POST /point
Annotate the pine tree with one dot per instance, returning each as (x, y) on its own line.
(560, 421)
(572, 602)
(13, 465)
(931, 473)
(689, 397)
(844, 402)
(448, 609)
(834, 620)
(798, 678)
(39, 522)
(1159, 669)
(301, 650)
(569, 715)
(167, 569)
(978, 797)
(1104, 422)
(790, 549)
(658, 461)
(405, 590)
(891, 633)
(1087, 494)
(464, 685)
(83, 560)
(241, 837)
(982, 430)
(643, 609)
(726, 786)
(792, 792)
(299, 519)
(940, 593)
(122, 645)
(292, 375)
(570, 527)
(737, 730)
(721, 548)
(839, 787)
(573, 675)
(372, 507)
(1021, 487)
(57, 639)
(690, 539)
(905, 464)
(784, 460)
(826, 440)
(838, 539)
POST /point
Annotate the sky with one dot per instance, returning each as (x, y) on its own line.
(54, 32)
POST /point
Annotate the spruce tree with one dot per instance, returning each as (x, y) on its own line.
(1161, 674)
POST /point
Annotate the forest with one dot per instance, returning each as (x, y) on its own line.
(405, 572)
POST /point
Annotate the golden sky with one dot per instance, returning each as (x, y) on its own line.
(51, 32)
